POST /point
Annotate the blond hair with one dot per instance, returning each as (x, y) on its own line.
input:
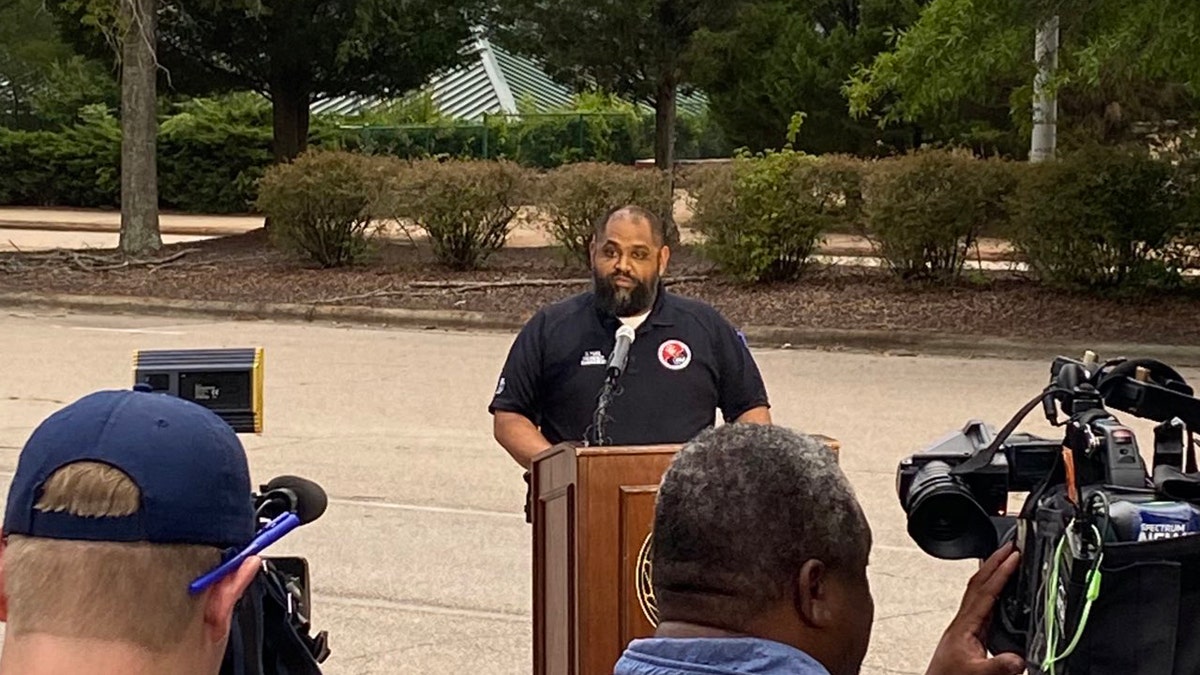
(117, 591)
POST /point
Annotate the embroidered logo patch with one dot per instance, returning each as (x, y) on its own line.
(592, 358)
(674, 355)
(500, 386)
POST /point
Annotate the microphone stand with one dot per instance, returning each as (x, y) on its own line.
(616, 367)
(600, 419)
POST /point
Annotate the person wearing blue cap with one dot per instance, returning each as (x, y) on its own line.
(121, 500)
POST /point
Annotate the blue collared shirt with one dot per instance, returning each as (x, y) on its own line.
(715, 656)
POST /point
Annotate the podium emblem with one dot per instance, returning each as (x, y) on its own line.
(644, 585)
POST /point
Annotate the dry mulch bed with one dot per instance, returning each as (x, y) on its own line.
(245, 267)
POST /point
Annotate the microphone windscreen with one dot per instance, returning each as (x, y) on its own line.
(626, 331)
(311, 500)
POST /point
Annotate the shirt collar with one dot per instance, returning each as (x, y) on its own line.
(746, 655)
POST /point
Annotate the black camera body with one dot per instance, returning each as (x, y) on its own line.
(943, 507)
(272, 632)
(1102, 537)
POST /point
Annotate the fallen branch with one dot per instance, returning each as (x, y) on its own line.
(87, 262)
(385, 292)
(154, 263)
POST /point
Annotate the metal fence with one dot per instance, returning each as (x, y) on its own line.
(540, 139)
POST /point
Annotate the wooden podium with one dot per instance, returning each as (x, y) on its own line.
(592, 511)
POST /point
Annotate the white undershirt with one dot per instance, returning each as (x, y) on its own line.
(635, 321)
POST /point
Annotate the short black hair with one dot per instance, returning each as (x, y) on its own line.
(658, 229)
(740, 510)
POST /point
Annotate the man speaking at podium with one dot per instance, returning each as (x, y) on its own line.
(682, 359)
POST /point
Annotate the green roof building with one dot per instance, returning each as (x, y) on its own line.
(492, 83)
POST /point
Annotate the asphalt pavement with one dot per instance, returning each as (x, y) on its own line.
(422, 562)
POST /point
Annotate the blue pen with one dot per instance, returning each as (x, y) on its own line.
(270, 534)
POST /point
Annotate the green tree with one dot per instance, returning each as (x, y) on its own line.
(296, 52)
(635, 48)
(1119, 61)
(788, 56)
(43, 82)
(28, 46)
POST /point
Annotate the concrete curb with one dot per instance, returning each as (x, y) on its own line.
(250, 311)
(900, 343)
(895, 343)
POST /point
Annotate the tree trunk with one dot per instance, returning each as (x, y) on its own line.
(289, 109)
(664, 123)
(1043, 143)
(664, 147)
(139, 128)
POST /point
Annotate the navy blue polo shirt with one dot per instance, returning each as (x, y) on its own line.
(686, 362)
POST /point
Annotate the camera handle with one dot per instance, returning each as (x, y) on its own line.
(984, 457)
(1173, 446)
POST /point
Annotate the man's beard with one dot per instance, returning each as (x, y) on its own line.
(624, 301)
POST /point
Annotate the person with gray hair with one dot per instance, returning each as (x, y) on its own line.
(760, 567)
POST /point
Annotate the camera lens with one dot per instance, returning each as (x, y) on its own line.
(944, 518)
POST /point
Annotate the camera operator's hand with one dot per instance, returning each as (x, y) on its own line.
(961, 650)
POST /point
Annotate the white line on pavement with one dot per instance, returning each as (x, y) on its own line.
(425, 509)
(139, 331)
(394, 506)
(395, 606)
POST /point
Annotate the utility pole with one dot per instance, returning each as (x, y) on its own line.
(1045, 101)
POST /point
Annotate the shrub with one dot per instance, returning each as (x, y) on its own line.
(212, 153)
(1184, 253)
(77, 167)
(703, 188)
(548, 141)
(322, 205)
(1100, 217)
(763, 216)
(924, 211)
(22, 176)
(571, 198)
(465, 207)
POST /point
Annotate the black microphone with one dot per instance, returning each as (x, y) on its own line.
(292, 494)
(620, 352)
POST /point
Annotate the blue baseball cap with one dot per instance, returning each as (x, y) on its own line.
(188, 463)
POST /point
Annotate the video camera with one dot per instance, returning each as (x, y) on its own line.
(272, 622)
(1109, 580)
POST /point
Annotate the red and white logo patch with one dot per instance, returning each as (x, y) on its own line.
(674, 355)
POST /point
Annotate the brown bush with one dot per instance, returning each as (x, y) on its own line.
(1104, 217)
(465, 207)
(323, 204)
(573, 197)
(924, 211)
(764, 215)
